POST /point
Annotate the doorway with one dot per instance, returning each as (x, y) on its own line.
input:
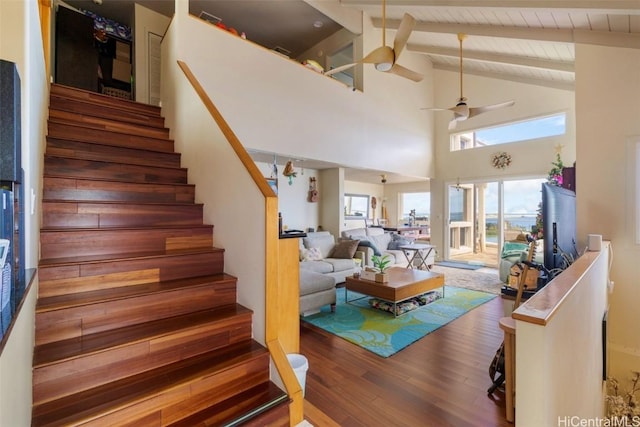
(483, 215)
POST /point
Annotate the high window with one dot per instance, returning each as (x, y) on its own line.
(539, 127)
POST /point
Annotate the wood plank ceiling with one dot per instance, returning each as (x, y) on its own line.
(527, 41)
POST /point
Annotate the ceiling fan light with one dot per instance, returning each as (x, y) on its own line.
(384, 66)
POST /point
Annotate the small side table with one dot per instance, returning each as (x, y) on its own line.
(418, 252)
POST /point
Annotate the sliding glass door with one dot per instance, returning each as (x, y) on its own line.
(483, 215)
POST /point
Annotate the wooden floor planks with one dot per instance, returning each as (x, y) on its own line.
(440, 380)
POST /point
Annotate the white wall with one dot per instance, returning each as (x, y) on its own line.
(559, 364)
(298, 213)
(277, 105)
(21, 42)
(232, 201)
(607, 111)
(146, 21)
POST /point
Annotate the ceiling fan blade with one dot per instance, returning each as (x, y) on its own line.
(383, 54)
(339, 69)
(474, 111)
(434, 109)
(402, 35)
(453, 123)
(406, 73)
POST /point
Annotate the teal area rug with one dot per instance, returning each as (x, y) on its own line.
(384, 335)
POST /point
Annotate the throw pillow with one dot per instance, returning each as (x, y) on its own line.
(398, 240)
(345, 249)
(367, 243)
(311, 254)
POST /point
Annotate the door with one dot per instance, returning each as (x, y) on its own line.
(483, 215)
(76, 56)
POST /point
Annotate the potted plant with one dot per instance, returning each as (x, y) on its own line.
(381, 264)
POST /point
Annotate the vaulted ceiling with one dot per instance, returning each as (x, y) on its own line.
(529, 41)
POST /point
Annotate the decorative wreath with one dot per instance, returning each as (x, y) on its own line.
(501, 160)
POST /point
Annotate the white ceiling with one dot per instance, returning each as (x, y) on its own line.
(526, 41)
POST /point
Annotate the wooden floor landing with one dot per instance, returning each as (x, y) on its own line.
(440, 380)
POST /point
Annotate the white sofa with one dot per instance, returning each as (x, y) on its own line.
(318, 277)
(338, 267)
(376, 241)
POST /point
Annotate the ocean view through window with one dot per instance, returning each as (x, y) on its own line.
(524, 130)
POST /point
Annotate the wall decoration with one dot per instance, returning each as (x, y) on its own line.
(501, 160)
(313, 192)
(289, 172)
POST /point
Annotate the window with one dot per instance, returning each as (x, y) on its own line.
(342, 57)
(356, 206)
(420, 203)
(540, 127)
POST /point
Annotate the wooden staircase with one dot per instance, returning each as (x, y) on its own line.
(136, 322)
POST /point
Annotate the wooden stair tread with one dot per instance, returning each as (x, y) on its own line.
(115, 132)
(119, 394)
(83, 133)
(120, 202)
(92, 183)
(56, 262)
(98, 98)
(57, 156)
(99, 151)
(57, 351)
(65, 301)
(256, 401)
(137, 228)
(82, 118)
(112, 112)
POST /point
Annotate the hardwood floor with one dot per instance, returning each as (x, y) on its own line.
(440, 380)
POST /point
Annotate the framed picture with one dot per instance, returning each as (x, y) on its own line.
(273, 183)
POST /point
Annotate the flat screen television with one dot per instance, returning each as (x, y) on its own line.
(559, 226)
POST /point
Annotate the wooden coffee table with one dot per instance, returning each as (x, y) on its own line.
(403, 284)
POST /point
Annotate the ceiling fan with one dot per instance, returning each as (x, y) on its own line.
(384, 58)
(461, 111)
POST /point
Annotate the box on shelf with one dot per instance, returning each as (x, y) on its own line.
(123, 52)
(121, 71)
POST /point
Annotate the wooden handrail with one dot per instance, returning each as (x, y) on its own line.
(235, 143)
(273, 343)
(541, 307)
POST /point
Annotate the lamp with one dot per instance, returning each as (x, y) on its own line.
(384, 178)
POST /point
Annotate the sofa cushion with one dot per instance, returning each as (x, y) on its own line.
(345, 249)
(375, 231)
(381, 241)
(311, 282)
(323, 266)
(311, 254)
(354, 233)
(340, 264)
(367, 243)
(397, 240)
(322, 240)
